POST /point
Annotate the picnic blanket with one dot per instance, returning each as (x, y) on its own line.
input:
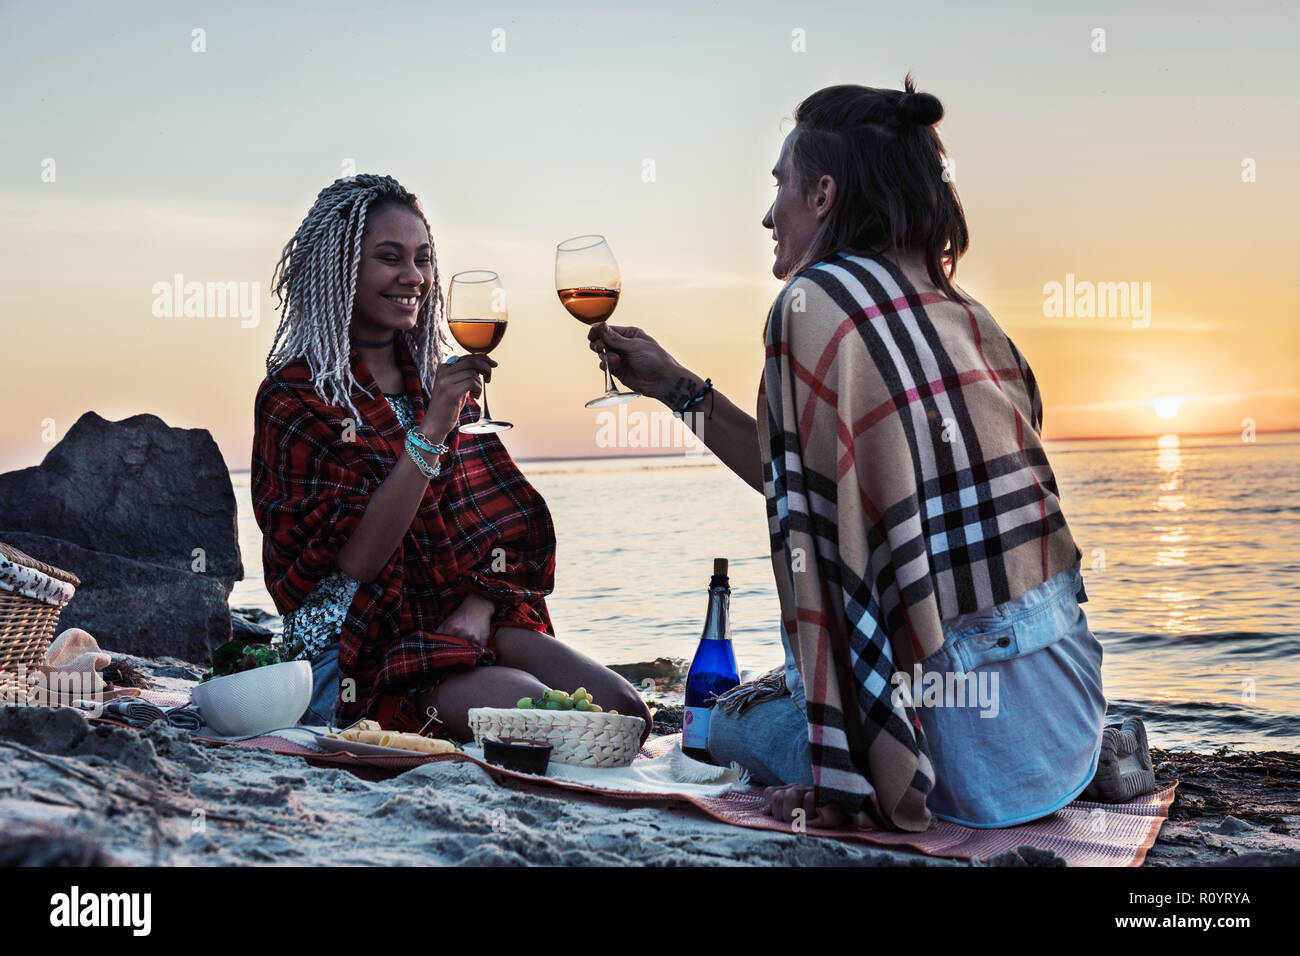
(906, 485)
(1084, 833)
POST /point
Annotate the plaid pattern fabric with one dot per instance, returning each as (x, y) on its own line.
(906, 484)
(481, 527)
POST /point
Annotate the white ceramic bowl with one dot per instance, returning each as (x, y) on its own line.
(255, 701)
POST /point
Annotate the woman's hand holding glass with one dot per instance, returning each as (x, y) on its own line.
(455, 383)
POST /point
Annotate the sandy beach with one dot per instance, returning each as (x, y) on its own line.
(82, 792)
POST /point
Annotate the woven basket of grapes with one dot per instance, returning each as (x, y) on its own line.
(580, 732)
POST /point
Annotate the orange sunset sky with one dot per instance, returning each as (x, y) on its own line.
(130, 157)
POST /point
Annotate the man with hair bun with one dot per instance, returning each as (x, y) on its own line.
(917, 534)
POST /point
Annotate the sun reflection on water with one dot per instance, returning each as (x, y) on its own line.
(1177, 603)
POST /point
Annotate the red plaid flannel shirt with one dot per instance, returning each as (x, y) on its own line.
(481, 527)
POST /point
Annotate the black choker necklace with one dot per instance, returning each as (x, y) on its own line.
(373, 345)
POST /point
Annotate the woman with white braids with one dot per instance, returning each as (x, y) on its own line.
(403, 554)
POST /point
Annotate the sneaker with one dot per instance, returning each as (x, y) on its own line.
(1124, 769)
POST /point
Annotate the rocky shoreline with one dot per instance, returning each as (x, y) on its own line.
(1233, 808)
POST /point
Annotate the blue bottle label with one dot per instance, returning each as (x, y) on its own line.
(695, 727)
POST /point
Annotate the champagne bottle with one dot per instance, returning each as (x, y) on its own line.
(713, 671)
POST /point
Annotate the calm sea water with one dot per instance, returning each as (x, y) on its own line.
(1191, 559)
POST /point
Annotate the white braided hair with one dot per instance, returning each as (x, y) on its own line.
(315, 283)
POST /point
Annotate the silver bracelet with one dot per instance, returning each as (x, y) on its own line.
(423, 441)
(413, 450)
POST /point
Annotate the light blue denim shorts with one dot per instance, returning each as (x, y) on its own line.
(1006, 749)
(769, 739)
(324, 689)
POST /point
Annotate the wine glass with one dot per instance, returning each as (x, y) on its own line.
(477, 316)
(587, 280)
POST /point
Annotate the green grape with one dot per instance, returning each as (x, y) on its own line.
(583, 704)
(552, 705)
(524, 703)
(582, 692)
(597, 708)
(614, 712)
(567, 704)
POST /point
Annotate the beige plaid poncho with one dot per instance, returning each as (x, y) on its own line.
(906, 484)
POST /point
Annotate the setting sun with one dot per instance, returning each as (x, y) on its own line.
(1167, 407)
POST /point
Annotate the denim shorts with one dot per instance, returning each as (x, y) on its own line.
(1005, 750)
(324, 689)
(769, 739)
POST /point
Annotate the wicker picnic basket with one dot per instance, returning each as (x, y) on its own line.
(32, 594)
(580, 738)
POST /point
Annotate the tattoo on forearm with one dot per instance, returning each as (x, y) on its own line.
(680, 391)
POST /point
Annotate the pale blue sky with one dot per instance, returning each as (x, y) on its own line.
(1122, 165)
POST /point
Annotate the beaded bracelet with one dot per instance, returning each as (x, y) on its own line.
(705, 389)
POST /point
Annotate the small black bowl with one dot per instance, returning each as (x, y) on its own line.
(518, 753)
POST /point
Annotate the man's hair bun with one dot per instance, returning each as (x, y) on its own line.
(919, 109)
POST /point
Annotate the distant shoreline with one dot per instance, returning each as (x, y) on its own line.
(713, 459)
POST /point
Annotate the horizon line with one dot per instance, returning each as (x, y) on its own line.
(678, 454)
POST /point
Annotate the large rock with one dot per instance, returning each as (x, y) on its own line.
(144, 514)
(665, 674)
(137, 488)
(133, 607)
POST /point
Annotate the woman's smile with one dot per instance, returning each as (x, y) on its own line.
(404, 303)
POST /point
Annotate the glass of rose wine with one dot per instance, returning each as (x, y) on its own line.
(587, 280)
(477, 316)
